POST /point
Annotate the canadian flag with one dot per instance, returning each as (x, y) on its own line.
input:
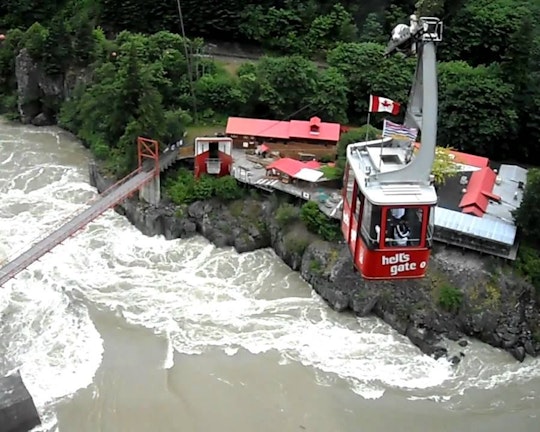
(380, 104)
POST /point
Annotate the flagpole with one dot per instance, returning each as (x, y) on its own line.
(382, 144)
(367, 126)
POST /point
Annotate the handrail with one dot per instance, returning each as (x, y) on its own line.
(58, 236)
(69, 217)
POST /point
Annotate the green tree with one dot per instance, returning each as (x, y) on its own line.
(330, 96)
(443, 165)
(326, 30)
(476, 113)
(372, 30)
(285, 84)
(368, 72)
(34, 40)
(481, 32)
(317, 222)
(528, 213)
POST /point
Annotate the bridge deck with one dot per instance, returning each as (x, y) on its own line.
(110, 199)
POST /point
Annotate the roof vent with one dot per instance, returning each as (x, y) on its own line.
(521, 185)
(463, 180)
(464, 190)
(515, 195)
(496, 171)
(498, 180)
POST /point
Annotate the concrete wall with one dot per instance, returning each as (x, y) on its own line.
(151, 191)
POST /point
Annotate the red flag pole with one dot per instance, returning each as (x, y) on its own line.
(368, 116)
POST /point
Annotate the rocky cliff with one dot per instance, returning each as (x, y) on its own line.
(39, 94)
(485, 301)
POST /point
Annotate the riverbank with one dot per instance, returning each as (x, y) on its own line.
(463, 295)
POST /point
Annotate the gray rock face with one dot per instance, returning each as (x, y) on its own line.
(17, 410)
(501, 311)
(37, 91)
(28, 91)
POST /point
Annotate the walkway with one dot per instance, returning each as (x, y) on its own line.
(132, 183)
(254, 174)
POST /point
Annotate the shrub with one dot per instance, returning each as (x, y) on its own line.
(227, 188)
(286, 213)
(332, 172)
(34, 40)
(295, 242)
(184, 188)
(203, 188)
(528, 266)
(317, 222)
(450, 298)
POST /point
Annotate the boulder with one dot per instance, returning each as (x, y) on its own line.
(38, 93)
(17, 410)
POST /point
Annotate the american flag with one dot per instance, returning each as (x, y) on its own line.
(394, 130)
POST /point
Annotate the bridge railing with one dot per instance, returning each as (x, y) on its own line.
(63, 221)
(57, 236)
(116, 185)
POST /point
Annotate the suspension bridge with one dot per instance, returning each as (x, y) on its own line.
(150, 165)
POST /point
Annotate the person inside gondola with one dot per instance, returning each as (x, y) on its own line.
(401, 233)
(397, 213)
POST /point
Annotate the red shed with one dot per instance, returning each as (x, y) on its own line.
(213, 156)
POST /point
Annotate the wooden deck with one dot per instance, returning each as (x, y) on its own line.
(250, 170)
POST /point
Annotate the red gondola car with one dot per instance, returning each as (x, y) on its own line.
(388, 196)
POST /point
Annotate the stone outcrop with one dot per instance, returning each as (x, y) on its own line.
(38, 93)
(17, 410)
(494, 306)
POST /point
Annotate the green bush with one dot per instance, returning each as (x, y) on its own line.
(450, 298)
(332, 172)
(286, 213)
(100, 149)
(528, 265)
(8, 106)
(184, 188)
(295, 242)
(227, 188)
(317, 222)
(34, 40)
(203, 188)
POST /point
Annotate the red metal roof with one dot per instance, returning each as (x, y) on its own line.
(291, 167)
(257, 127)
(313, 129)
(313, 164)
(469, 159)
(479, 192)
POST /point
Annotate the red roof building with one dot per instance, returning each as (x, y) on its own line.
(291, 167)
(479, 191)
(469, 159)
(312, 130)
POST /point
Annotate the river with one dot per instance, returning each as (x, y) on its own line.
(115, 331)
